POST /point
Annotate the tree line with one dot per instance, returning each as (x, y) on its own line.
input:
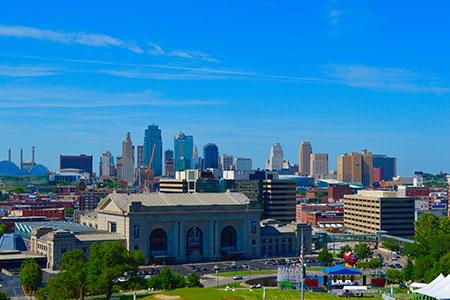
(97, 273)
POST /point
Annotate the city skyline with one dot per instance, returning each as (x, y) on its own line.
(343, 75)
(333, 164)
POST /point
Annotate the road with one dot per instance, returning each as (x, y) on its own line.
(212, 281)
(11, 285)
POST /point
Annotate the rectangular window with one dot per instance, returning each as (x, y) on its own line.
(254, 226)
(112, 227)
(136, 231)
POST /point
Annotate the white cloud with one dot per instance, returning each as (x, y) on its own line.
(66, 97)
(27, 71)
(98, 40)
(383, 78)
(81, 38)
(158, 50)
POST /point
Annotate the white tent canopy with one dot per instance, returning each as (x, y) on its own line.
(354, 288)
(439, 288)
(417, 285)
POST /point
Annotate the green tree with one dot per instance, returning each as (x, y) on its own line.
(422, 267)
(2, 229)
(363, 251)
(58, 287)
(444, 225)
(325, 257)
(167, 280)
(69, 211)
(408, 270)
(74, 265)
(391, 244)
(4, 296)
(426, 226)
(193, 280)
(30, 275)
(394, 276)
(107, 262)
(343, 249)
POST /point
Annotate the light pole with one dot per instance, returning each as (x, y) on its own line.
(217, 278)
(302, 267)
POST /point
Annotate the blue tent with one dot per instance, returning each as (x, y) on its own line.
(341, 270)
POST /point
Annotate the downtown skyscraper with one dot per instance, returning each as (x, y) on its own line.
(153, 139)
(304, 158)
(183, 151)
(275, 161)
(126, 162)
(211, 156)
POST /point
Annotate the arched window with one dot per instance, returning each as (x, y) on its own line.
(194, 241)
(228, 239)
(158, 242)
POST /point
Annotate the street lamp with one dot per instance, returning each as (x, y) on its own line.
(217, 278)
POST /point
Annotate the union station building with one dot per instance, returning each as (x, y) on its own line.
(181, 228)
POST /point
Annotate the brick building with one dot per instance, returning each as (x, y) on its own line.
(336, 192)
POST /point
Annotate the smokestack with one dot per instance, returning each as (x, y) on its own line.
(9, 154)
(21, 158)
(32, 156)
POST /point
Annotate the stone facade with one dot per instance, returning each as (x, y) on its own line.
(182, 227)
(53, 243)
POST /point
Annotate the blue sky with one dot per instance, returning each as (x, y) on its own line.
(345, 75)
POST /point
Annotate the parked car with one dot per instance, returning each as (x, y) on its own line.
(216, 267)
(237, 277)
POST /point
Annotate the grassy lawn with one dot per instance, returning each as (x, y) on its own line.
(236, 284)
(246, 273)
(244, 294)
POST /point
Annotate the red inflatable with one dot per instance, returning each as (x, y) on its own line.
(350, 258)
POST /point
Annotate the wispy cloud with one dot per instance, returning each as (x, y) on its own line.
(349, 16)
(81, 38)
(354, 75)
(100, 40)
(384, 79)
(66, 97)
(27, 71)
(156, 49)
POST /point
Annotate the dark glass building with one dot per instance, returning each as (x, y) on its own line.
(82, 162)
(210, 156)
(168, 163)
(388, 165)
(183, 151)
(153, 137)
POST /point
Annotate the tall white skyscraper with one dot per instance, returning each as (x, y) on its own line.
(275, 161)
(127, 161)
(105, 170)
(319, 165)
(304, 160)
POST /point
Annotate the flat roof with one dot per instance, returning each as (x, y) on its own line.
(123, 201)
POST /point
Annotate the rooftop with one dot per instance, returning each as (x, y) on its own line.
(123, 201)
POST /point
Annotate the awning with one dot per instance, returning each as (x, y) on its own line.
(341, 270)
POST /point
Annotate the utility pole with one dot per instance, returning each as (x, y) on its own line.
(302, 267)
